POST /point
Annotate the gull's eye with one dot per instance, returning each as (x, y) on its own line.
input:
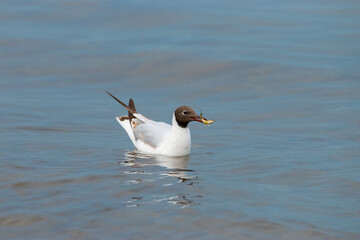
(184, 112)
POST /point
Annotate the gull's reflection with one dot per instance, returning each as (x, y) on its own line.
(139, 168)
(176, 166)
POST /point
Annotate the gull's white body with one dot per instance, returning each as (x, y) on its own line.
(157, 137)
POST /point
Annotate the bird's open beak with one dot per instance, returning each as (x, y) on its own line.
(197, 118)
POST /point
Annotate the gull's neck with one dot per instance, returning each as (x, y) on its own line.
(175, 124)
(180, 137)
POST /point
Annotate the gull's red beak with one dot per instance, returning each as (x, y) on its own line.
(197, 118)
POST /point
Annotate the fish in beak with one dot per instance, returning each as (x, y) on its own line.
(204, 120)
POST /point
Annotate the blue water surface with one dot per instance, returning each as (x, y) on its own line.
(281, 79)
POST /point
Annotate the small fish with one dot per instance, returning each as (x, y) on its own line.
(205, 121)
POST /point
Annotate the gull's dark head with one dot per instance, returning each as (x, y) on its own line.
(184, 115)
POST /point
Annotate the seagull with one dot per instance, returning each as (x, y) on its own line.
(160, 138)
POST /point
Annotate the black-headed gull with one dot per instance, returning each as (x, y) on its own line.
(158, 137)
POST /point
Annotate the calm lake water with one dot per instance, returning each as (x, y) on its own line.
(281, 79)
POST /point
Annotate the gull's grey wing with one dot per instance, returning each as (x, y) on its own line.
(151, 132)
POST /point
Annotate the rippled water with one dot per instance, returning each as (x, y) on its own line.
(280, 79)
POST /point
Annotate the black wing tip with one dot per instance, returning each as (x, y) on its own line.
(132, 104)
(130, 108)
(110, 94)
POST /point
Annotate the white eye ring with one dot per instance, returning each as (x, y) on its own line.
(184, 112)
